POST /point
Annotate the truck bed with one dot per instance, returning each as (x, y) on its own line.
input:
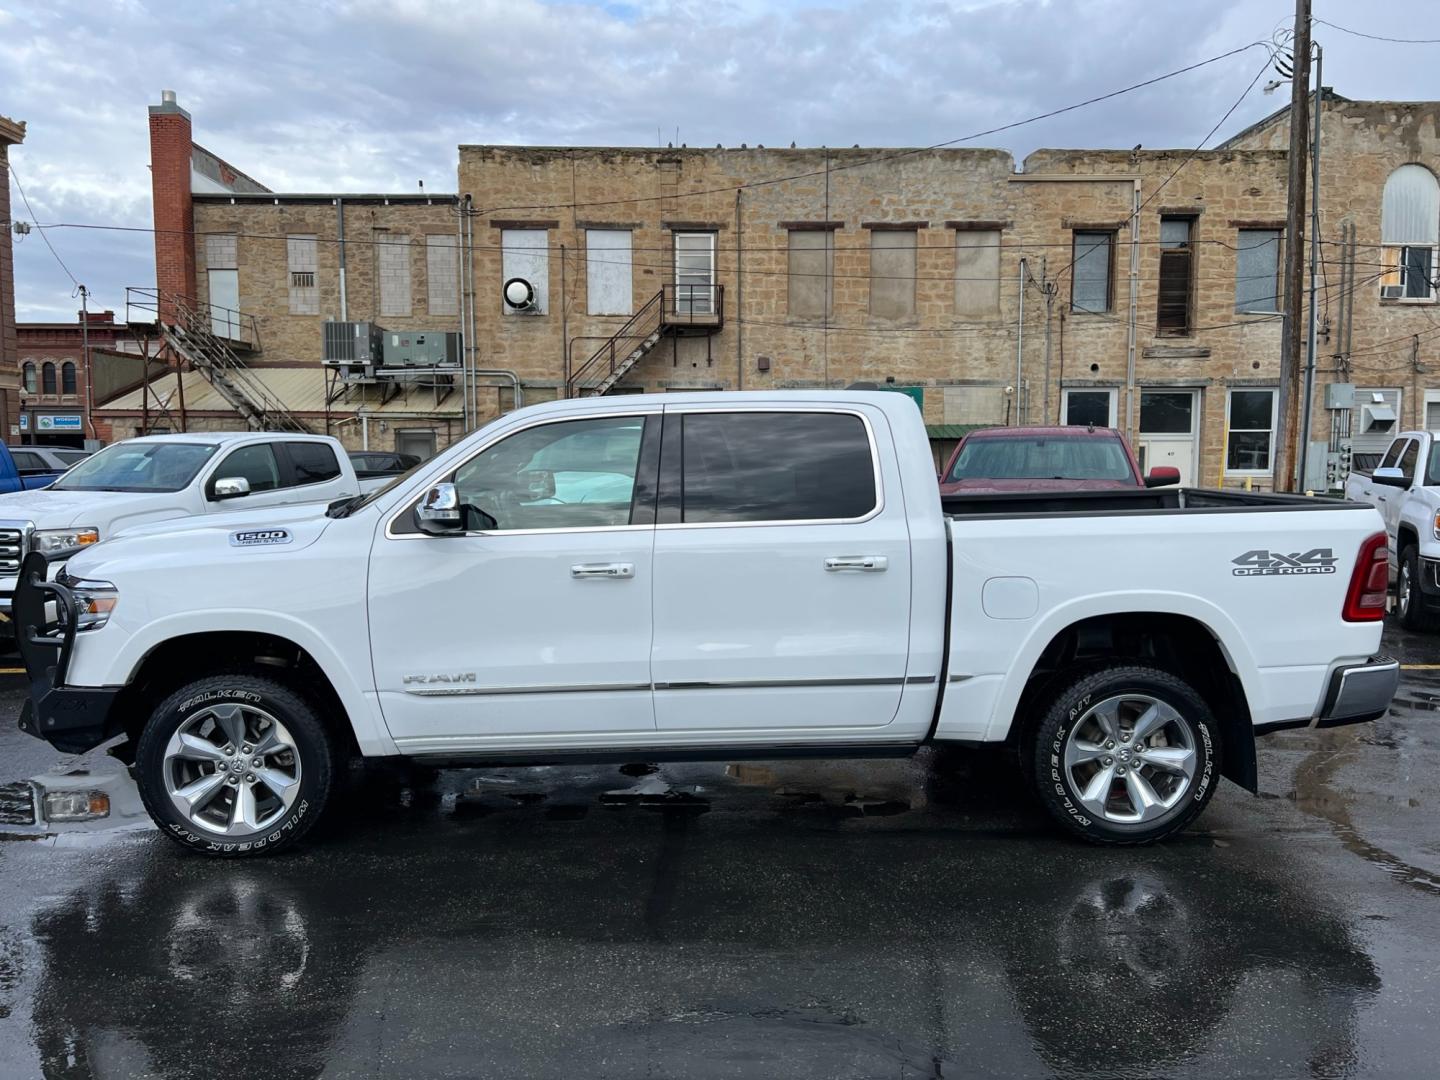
(1131, 501)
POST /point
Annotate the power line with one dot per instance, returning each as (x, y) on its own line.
(1377, 37)
(21, 188)
(895, 155)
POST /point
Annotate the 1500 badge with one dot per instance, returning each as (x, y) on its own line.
(1262, 563)
(259, 537)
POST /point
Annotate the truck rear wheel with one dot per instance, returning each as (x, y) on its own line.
(234, 765)
(1125, 755)
(1409, 604)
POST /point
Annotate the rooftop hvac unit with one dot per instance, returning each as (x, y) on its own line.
(421, 349)
(353, 345)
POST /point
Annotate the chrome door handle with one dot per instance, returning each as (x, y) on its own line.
(870, 564)
(603, 570)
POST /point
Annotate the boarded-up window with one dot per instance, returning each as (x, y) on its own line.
(220, 252)
(892, 273)
(609, 276)
(442, 274)
(1090, 276)
(393, 268)
(525, 254)
(1257, 271)
(812, 271)
(1177, 265)
(301, 259)
(977, 272)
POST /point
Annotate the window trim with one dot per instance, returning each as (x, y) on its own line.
(1110, 247)
(1274, 392)
(1111, 391)
(667, 478)
(1431, 297)
(407, 506)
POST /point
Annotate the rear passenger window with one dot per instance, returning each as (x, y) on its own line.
(255, 463)
(314, 462)
(1408, 459)
(776, 466)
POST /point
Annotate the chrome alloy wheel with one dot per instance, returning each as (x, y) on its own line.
(1404, 597)
(232, 769)
(1130, 758)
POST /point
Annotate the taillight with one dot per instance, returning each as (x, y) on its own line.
(1370, 583)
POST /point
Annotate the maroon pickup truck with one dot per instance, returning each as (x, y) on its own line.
(1032, 459)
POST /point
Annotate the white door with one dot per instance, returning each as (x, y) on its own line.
(1167, 434)
(782, 574)
(225, 304)
(694, 273)
(534, 626)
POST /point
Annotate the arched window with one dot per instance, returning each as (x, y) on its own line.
(67, 377)
(1410, 233)
(47, 378)
(29, 371)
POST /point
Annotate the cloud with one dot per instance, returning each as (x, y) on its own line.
(376, 94)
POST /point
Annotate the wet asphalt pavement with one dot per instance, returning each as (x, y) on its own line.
(800, 919)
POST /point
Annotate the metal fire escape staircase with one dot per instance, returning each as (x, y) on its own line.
(674, 310)
(192, 335)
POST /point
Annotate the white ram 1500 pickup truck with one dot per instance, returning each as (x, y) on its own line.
(1405, 488)
(161, 477)
(746, 575)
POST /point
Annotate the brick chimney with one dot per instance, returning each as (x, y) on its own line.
(170, 151)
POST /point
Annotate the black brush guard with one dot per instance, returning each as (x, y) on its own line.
(70, 718)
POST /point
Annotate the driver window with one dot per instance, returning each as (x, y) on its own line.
(570, 475)
(1408, 459)
(255, 463)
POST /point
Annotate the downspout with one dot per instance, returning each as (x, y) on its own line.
(1049, 312)
(340, 247)
(1019, 342)
(564, 309)
(472, 401)
(460, 318)
(1308, 405)
(1130, 328)
(739, 295)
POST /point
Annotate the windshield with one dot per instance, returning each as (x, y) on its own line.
(1043, 457)
(138, 466)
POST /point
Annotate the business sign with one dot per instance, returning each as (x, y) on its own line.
(24, 421)
(58, 422)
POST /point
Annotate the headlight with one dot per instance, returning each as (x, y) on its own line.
(1437, 525)
(54, 543)
(94, 600)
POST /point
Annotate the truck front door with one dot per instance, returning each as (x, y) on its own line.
(534, 625)
(782, 572)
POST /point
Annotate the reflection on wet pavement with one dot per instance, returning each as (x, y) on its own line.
(797, 919)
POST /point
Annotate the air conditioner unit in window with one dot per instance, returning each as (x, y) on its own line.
(1392, 292)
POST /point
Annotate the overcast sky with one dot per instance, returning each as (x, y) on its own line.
(373, 95)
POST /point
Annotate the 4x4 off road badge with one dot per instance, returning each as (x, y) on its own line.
(1263, 563)
(260, 537)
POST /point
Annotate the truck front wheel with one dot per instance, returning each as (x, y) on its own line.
(1409, 604)
(234, 765)
(1125, 755)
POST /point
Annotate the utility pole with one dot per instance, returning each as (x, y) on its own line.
(1288, 413)
(85, 355)
(1307, 401)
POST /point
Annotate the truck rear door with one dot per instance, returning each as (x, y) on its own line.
(782, 570)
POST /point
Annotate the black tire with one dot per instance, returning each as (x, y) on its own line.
(1409, 605)
(1068, 705)
(314, 747)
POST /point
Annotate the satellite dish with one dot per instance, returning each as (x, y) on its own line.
(519, 294)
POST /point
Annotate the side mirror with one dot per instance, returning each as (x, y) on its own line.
(1390, 477)
(439, 512)
(1162, 476)
(537, 484)
(231, 487)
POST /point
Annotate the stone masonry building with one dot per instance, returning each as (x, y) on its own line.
(1138, 289)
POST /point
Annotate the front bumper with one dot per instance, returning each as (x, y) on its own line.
(72, 719)
(1359, 692)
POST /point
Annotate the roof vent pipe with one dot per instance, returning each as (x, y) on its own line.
(167, 97)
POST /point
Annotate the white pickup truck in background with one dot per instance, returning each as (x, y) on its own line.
(163, 477)
(733, 575)
(1405, 488)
